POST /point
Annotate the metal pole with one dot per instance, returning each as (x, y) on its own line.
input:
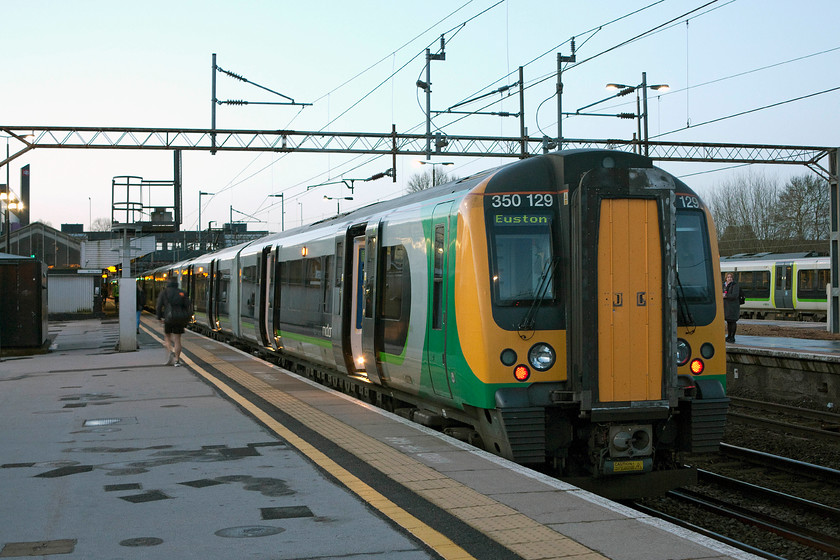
(213, 111)
(200, 194)
(834, 237)
(428, 104)
(523, 145)
(8, 202)
(638, 122)
(282, 198)
(559, 102)
(560, 60)
(644, 96)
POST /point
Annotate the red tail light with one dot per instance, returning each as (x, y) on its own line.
(521, 373)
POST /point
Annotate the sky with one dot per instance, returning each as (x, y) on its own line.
(148, 64)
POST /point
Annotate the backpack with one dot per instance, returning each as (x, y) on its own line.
(178, 309)
(742, 299)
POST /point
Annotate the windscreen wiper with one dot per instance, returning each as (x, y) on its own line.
(529, 319)
(685, 317)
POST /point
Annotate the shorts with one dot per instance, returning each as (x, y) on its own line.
(170, 328)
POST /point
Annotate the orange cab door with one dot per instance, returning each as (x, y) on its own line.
(629, 292)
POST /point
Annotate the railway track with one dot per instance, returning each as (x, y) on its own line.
(758, 500)
(780, 502)
(793, 420)
(764, 521)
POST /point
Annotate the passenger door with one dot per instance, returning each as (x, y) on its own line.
(370, 339)
(436, 323)
(357, 302)
(783, 294)
(266, 298)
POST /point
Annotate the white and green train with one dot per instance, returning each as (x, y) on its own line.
(562, 311)
(782, 285)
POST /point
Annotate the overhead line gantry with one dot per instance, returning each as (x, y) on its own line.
(825, 161)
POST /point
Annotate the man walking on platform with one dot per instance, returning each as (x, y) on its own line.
(175, 309)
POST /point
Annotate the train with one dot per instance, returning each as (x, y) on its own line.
(782, 286)
(562, 311)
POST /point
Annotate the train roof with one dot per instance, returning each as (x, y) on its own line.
(533, 172)
(772, 256)
(727, 265)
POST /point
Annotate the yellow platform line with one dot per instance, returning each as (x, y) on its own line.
(530, 539)
(433, 539)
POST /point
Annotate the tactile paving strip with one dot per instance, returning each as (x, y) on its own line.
(505, 525)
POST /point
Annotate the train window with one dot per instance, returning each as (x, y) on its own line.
(370, 274)
(521, 263)
(694, 270)
(248, 296)
(200, 298)
(811, 285)
(313, 272)
(395, 266)
(784, 276)
(294, 273)
(437, 280)
(395, 303)
(327, 291)
(339, 263)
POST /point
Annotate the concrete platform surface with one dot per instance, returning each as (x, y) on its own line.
(113, 455)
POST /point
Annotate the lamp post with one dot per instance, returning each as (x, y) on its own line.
(643, 112)
(11, 204)
(282, 209)
(433, 164)
(338, 200)
(6, 193)
(200, 194)
(8, 198)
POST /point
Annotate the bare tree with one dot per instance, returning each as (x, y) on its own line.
(101, 224)
(803, 209)
(422, 181)
(744, 209)
(753, 214)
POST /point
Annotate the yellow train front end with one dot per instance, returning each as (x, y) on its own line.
(590, 326)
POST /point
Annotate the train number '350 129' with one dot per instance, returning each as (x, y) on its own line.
(533, 200)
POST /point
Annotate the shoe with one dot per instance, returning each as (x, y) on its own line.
(177, 364)
(171, 359)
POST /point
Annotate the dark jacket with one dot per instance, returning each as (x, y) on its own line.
(141, 300)
(731, 301)
(168, 294)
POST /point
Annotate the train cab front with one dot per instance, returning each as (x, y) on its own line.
(642, 287)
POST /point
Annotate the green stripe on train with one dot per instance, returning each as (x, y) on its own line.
(307, 339)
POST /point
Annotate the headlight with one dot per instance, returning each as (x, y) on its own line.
(683, 352)
(541, 356)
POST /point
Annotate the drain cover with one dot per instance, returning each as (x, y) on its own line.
(109, 421)
(248, 531)
(142, 541)
(288, 512)
(38, 548)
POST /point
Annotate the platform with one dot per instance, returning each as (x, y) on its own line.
(788, 344)
(114, 455)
